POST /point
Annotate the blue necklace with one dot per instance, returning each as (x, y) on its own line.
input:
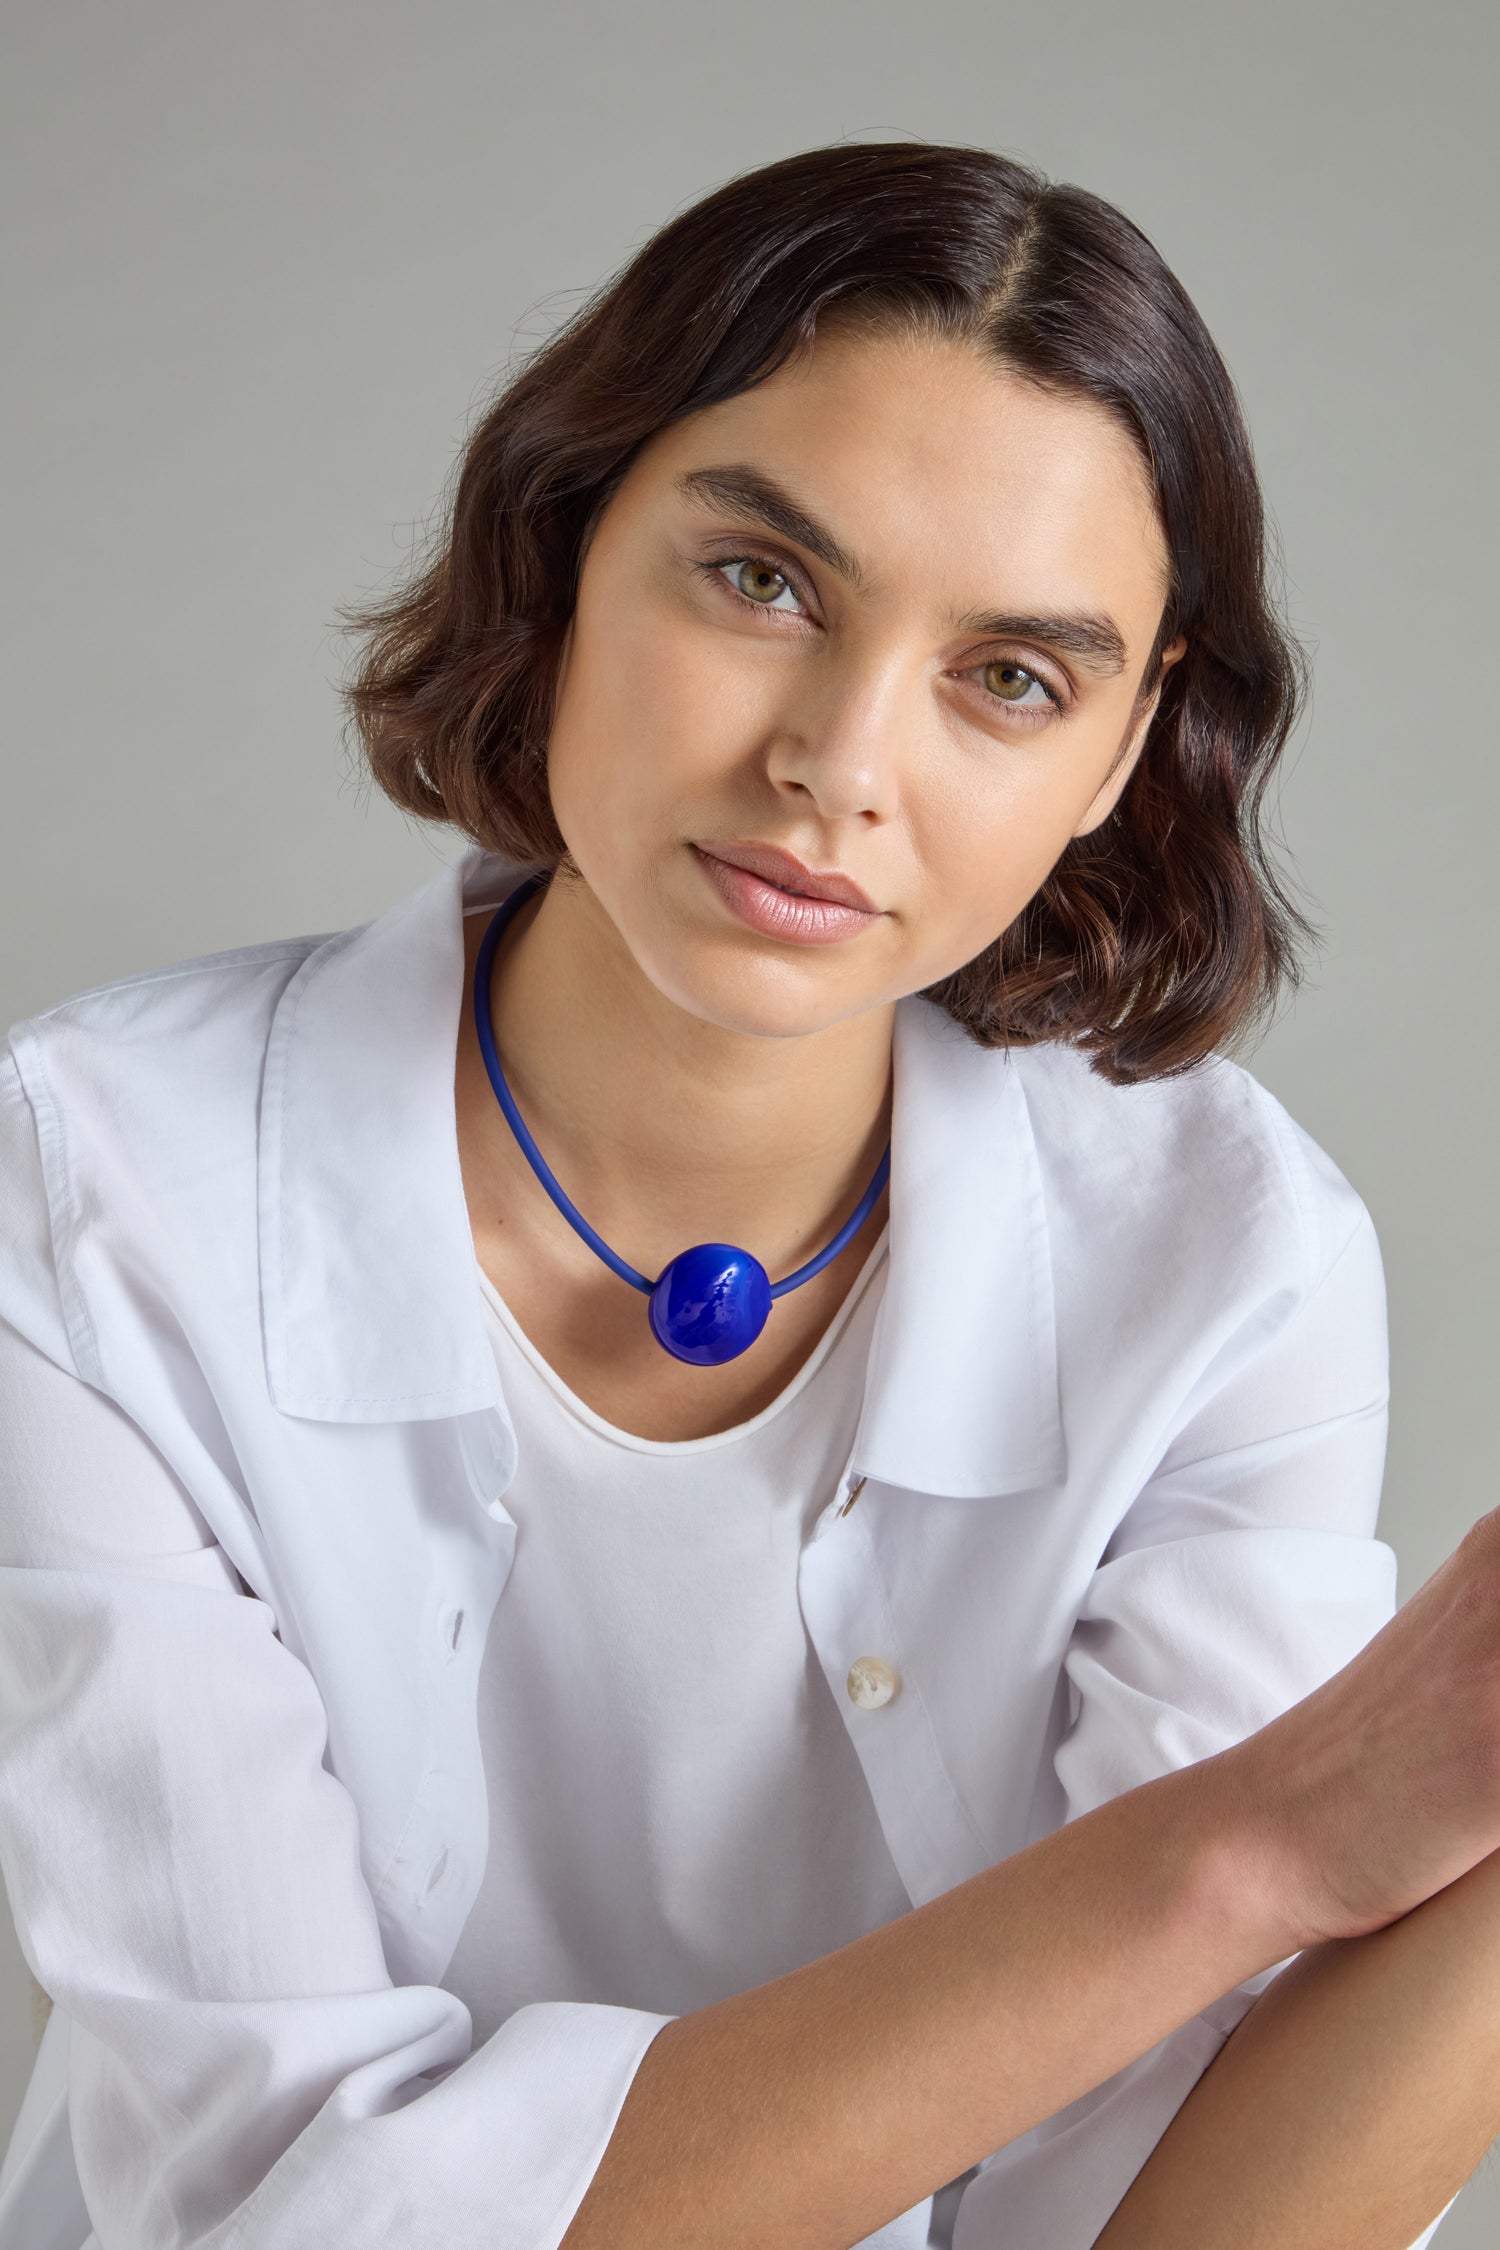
(708, 1304)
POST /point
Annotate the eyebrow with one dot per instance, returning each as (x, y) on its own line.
(1096, 641)
(739, 489)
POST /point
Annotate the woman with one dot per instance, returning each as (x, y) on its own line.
(689, 1556)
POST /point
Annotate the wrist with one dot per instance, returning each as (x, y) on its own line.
(1240, 1861)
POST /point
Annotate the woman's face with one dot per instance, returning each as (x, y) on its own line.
(887, 612)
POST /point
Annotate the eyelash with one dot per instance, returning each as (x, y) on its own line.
(716, 565)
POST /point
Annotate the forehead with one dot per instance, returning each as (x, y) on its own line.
(929, 459)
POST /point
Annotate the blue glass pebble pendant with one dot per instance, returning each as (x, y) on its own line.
(709, 1303)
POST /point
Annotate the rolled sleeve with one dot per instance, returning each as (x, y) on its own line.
(1244, 1575)
(185, 1877)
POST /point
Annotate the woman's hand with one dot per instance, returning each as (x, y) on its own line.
(1383, 1786)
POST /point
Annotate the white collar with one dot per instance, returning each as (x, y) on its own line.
(371, 1310)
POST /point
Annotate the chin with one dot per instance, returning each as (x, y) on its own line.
(759, 1000)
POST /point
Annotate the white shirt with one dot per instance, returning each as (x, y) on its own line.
(1121, 1436)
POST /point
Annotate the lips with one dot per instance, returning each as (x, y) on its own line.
(789, 873)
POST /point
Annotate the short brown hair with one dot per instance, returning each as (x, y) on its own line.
(1159, 936)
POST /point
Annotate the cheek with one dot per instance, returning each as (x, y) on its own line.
(652, 704)
(985, 847)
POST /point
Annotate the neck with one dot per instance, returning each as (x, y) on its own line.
(663, 1128)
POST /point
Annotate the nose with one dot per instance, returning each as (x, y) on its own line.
(841, 740)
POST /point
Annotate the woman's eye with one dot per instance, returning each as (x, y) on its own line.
(1012, 683)
(758, 581)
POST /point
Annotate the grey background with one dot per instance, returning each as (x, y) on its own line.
(261, 264)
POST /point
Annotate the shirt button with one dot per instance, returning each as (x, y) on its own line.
(871, 1682)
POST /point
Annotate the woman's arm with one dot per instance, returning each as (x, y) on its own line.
(810, 2111)
(1350, 2105)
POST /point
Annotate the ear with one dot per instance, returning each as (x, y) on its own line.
(1112, 788)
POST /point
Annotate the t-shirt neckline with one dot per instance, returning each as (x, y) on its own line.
(677, 1447)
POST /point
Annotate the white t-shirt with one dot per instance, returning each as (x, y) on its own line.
(700, 1740)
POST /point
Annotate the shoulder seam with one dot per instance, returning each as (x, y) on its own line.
(1295, 1165)
(202, 965)
(52, 1150)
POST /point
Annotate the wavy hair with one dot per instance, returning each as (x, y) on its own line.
(1159, 936)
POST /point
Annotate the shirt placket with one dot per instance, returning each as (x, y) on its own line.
(872, 1675)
